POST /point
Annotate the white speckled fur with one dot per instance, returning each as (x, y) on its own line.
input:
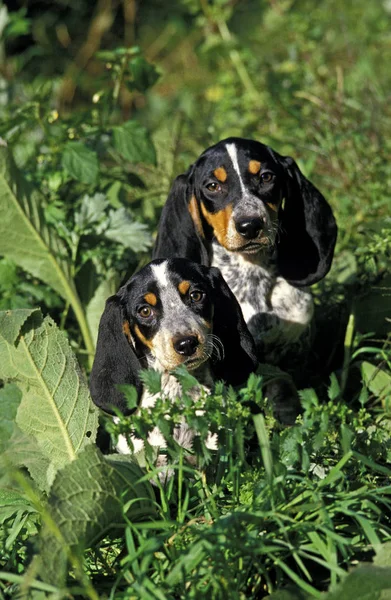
(277, 313)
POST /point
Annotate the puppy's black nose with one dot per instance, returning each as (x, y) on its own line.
(186, 345)
(249, 228)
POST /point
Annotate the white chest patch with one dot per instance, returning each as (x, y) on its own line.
(183, 435)
(276, 312)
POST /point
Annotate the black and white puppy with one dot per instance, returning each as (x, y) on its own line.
(171, 312)
(250, 212)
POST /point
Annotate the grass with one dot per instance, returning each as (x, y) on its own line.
(293, 513)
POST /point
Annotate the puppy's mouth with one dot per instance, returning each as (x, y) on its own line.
(252, 247)
(193, 362)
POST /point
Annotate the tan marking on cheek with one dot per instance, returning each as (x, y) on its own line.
(219, 222)
(126, 330)
(151, 299)
(183, 287)
(221, 174)
(208, 324)
(254, 166)
(273, 207)
(142, 337)
(195, 215)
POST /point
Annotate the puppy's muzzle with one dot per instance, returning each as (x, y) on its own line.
(186, 345)
(249, 228)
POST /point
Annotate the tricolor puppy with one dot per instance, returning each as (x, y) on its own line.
(170, 313)
(251, 212)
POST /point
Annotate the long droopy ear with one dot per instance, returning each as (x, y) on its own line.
(239, 358)
(115, 360)
(180, 232)
(308, 231)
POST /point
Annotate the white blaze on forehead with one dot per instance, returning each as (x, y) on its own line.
(169, 295)
(231, 149)
(160, 273)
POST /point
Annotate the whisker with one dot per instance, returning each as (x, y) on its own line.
(214, 344)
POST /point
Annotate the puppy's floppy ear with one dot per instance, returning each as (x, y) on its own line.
(115, 361)
(308, 231)
(180, 232)
(229, 325)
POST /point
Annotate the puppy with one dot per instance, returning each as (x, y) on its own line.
(249, 211)
(170, 313)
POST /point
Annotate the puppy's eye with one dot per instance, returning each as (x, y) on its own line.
(214, 187)
(267, 177)
(196, 296)
(144, 312)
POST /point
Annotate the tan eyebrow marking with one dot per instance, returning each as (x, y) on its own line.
(151, 299)
(254, 166)
(183, 287)
(195, 215)
(221, 174)
(142, 337)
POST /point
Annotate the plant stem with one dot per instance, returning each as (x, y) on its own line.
(237, 61)
(347, 352)
(84, 328)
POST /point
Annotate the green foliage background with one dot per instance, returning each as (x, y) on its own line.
(101, 106)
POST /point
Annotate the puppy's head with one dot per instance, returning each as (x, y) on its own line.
(168, 312)
(172, 312)
(251, 200)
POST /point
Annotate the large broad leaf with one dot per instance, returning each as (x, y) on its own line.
(25, 238)
(87, 499)
(10, 398)
(16, 448)
(56, 409)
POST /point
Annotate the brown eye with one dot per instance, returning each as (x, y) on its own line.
(266, 177)
(144, 312)
(214, 187)
(196, 296)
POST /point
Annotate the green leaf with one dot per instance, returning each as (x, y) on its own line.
(377, 380)
(10, 398)
(23, 451)
(80, 162)
(56, 408)
(86, 501)
(134, 143)
(144, 74)
(91, 210)
(186, 379)
(334, 389)
(131, 234)
(366, 582)
(131, 395)
(383, 556)
(25, 238)
(152, 380)
(23, 235)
